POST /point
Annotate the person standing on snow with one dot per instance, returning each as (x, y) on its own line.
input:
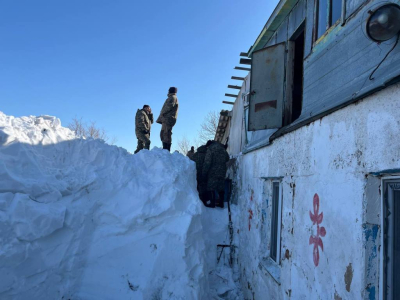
(143, 121)
(198, 158)
(214, 171)
(167, 118)
(190, 153)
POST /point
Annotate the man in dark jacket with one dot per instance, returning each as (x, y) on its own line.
(214, 171)
(167, 118)
(143, 121)
(198, 158)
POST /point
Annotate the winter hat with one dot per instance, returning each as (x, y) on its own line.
(173, 90)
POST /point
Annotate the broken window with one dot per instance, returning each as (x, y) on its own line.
(391, 227)
(275, 221)
(328, 13)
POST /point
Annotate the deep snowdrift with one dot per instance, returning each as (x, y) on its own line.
(81, 219)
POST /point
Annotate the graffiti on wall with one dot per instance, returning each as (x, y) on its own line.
(316, 240)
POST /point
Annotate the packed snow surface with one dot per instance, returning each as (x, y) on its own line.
(80, 219)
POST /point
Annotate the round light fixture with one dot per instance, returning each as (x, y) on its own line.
(384, 23)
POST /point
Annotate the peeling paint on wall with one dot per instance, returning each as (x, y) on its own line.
(348, 277)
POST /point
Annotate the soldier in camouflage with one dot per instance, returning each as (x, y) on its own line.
(198, 158)
(143, 121)
(214, 170)
(190, 153)
(167, 118)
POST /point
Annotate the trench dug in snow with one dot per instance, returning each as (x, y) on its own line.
(80, 219)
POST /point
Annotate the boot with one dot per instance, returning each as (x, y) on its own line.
(169, 147)
(165, 146)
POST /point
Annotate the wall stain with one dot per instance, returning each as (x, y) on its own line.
(348, 277)
(336, 296)
(289, 292)
(287, 254)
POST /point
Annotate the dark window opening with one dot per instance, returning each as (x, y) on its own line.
(297, 93)
(274, 221)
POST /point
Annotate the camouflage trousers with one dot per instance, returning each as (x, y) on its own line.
(143, 141)
(166, 133)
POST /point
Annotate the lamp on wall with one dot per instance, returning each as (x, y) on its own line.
(384, 23)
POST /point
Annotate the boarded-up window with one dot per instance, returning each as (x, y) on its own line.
(267, 88)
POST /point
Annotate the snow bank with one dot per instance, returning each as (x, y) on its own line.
(81, 219)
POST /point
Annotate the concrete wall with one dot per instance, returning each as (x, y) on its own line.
(331, 158)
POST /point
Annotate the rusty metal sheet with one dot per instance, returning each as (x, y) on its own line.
(267, 88)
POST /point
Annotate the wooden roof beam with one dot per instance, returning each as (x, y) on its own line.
(245, 61)
(228, 102)
(231, 95)
(237, 78)
(234, 87)
(243, 69)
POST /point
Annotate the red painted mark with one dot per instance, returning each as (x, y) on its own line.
(321, 231)
(250, 217)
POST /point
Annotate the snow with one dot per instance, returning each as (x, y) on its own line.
(80, 219)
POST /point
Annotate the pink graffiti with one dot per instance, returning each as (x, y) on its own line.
(321, 231)
(250, 217)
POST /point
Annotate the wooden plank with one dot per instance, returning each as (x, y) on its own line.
(245, 61)
(234, 87)
(237, 78)
(231, 95)
(228, 102)
(244, 54)
(243, 69)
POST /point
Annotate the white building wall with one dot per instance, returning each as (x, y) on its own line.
(331, 157)
(237, 136)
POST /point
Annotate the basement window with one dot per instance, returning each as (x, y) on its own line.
(328, 12)
(275, 222)
(391, 240)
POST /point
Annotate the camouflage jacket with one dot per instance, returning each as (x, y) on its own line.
(190, 154)
(143, 122)
(198, 158)
(214, 167)
(169, 111)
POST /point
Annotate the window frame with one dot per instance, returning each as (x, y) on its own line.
(385, 223)
(277, 220)
(329, 23)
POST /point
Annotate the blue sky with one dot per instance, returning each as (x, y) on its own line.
(102, 60)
